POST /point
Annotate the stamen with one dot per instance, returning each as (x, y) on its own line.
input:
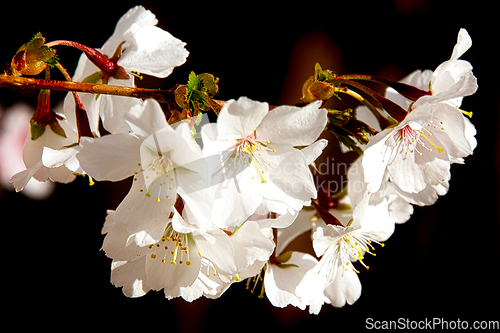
(249, 148)
(180, 252)
(355, 245)
(467, 113)
(410, 138)
(258, 171)
(259, 278)
(440, 150)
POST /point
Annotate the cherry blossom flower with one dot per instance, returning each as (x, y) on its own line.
(252, 246)
(453, 79)
(172, 263)
(256, 262)
(448, 83)
(411, 152)
(33, 153)
(219, 255)
(136, 45)
(261, 171)
(162, 160)
(334, 279)
(117, 156)
(417, 153)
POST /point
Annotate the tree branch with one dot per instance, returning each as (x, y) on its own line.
(161, 96)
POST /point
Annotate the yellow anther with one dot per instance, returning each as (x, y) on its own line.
(467, 113)
(440, 150)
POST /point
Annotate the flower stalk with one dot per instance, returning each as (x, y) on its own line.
(108, 66)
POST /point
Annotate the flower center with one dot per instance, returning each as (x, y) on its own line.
(412, 139)
(249, 150)
(159, 178)
(172, 245)
(354, 246)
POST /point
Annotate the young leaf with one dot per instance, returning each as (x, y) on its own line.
(193, 82)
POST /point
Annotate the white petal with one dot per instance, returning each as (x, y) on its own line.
(153, 51)
(20, 179)
(312, 286)
(375, 159)
(412, 173)
(452, 132)
(293, 126)
(180, 225)
(188, 154)
(312, 152)
(324, 237)
(55, 158)
(131, 276)
(112, 157)
(291, 173)
(280, 283)
(464, 42)
(221, 253)
(133, 20)
(172, 277)
(238, 119)
(145, 118)
(250, 245)
(117, 246)
(144, 217)
(282, 221)
(113, 109)
(345, 288)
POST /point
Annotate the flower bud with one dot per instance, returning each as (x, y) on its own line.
(315, 88)
(33, 57)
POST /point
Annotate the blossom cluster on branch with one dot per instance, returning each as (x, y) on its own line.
(212, 204)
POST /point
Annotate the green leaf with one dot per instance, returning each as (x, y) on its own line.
(193, 82)
(323, 75)
(209, 83)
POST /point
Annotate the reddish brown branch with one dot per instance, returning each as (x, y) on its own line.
(161, 96)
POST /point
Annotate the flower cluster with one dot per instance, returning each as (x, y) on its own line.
(212, 204)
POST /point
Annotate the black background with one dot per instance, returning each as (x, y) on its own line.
(442, 263)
